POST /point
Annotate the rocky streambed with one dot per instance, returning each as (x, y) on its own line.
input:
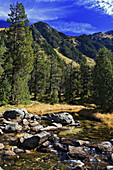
(53, 141)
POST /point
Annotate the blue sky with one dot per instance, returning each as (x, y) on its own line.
(72, 17)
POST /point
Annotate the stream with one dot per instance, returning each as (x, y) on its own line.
(89, 130)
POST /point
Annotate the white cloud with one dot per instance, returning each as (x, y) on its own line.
(73, 27)
(106, 6)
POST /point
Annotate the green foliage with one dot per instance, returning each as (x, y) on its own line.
(19, 54)
(72, 83)
(86, 80)
(5, 91)
(103, 79)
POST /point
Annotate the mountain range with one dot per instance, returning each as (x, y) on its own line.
(69, 48)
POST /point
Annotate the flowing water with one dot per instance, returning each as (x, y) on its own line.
(88, 130)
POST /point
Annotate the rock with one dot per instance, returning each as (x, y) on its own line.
(105, 146)
(9, 122)
(54, 138)
(25, 122)
(25, 111)
(28, 115)
(37, 128)
(34, 123)
(111, 141)
(63, 118)
(1, 146)
(82, 142)
(37, 117)
(59, 125)
(46, 144)
(109, 167)
(14, 114)
(44, 117)
(19, 151)
(32, 141)
(9, 153)
(77, 152)
(1, 132)
(48, 128)
(13, 128)
(60, 147)
(26, 128)
(112, 156)
(28, 151)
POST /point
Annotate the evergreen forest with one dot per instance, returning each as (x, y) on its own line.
(32, 69)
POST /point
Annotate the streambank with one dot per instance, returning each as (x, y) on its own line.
(45, 141)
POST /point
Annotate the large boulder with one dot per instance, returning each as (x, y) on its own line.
(63, 118)
(105, 146)
(32, 141)
(14, 114)
(77, 152)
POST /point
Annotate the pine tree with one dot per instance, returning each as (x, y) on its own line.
(55, 77)
(103, 79)
(39, 74)
(86, 79)
(19, 56)
(72, 83)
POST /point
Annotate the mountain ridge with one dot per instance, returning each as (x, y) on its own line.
(74, 48)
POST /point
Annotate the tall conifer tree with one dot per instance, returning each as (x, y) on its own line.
(103, 79)
(19, 57)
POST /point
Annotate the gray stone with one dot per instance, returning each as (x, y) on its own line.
(46, 144)
(37, 117)
(19, 151)
(25, 122)
(1, 146)
(60, 147)
(111, 141)
(28, 115)
(1, 132)
(63, 118)
(26, 128)
(48, 128)
(32, 141)
(9, 153)
(57, 124)
(77, 152)
(34, 123)
(82, 142)
(109, 167)
(37, 128)
(14, 114)
(105, 146)
(13, 128)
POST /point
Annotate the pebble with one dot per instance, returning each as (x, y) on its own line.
(1, 146)
(9, 153)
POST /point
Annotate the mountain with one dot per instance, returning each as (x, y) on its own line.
(71, 47)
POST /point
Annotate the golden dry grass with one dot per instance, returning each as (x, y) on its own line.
(89, 112)
(67, 60)
(1, 29)
(107, 118)
(42, 108)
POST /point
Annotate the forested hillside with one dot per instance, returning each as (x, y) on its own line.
(37, 62)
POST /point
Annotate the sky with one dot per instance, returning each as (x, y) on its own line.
(72, 17)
